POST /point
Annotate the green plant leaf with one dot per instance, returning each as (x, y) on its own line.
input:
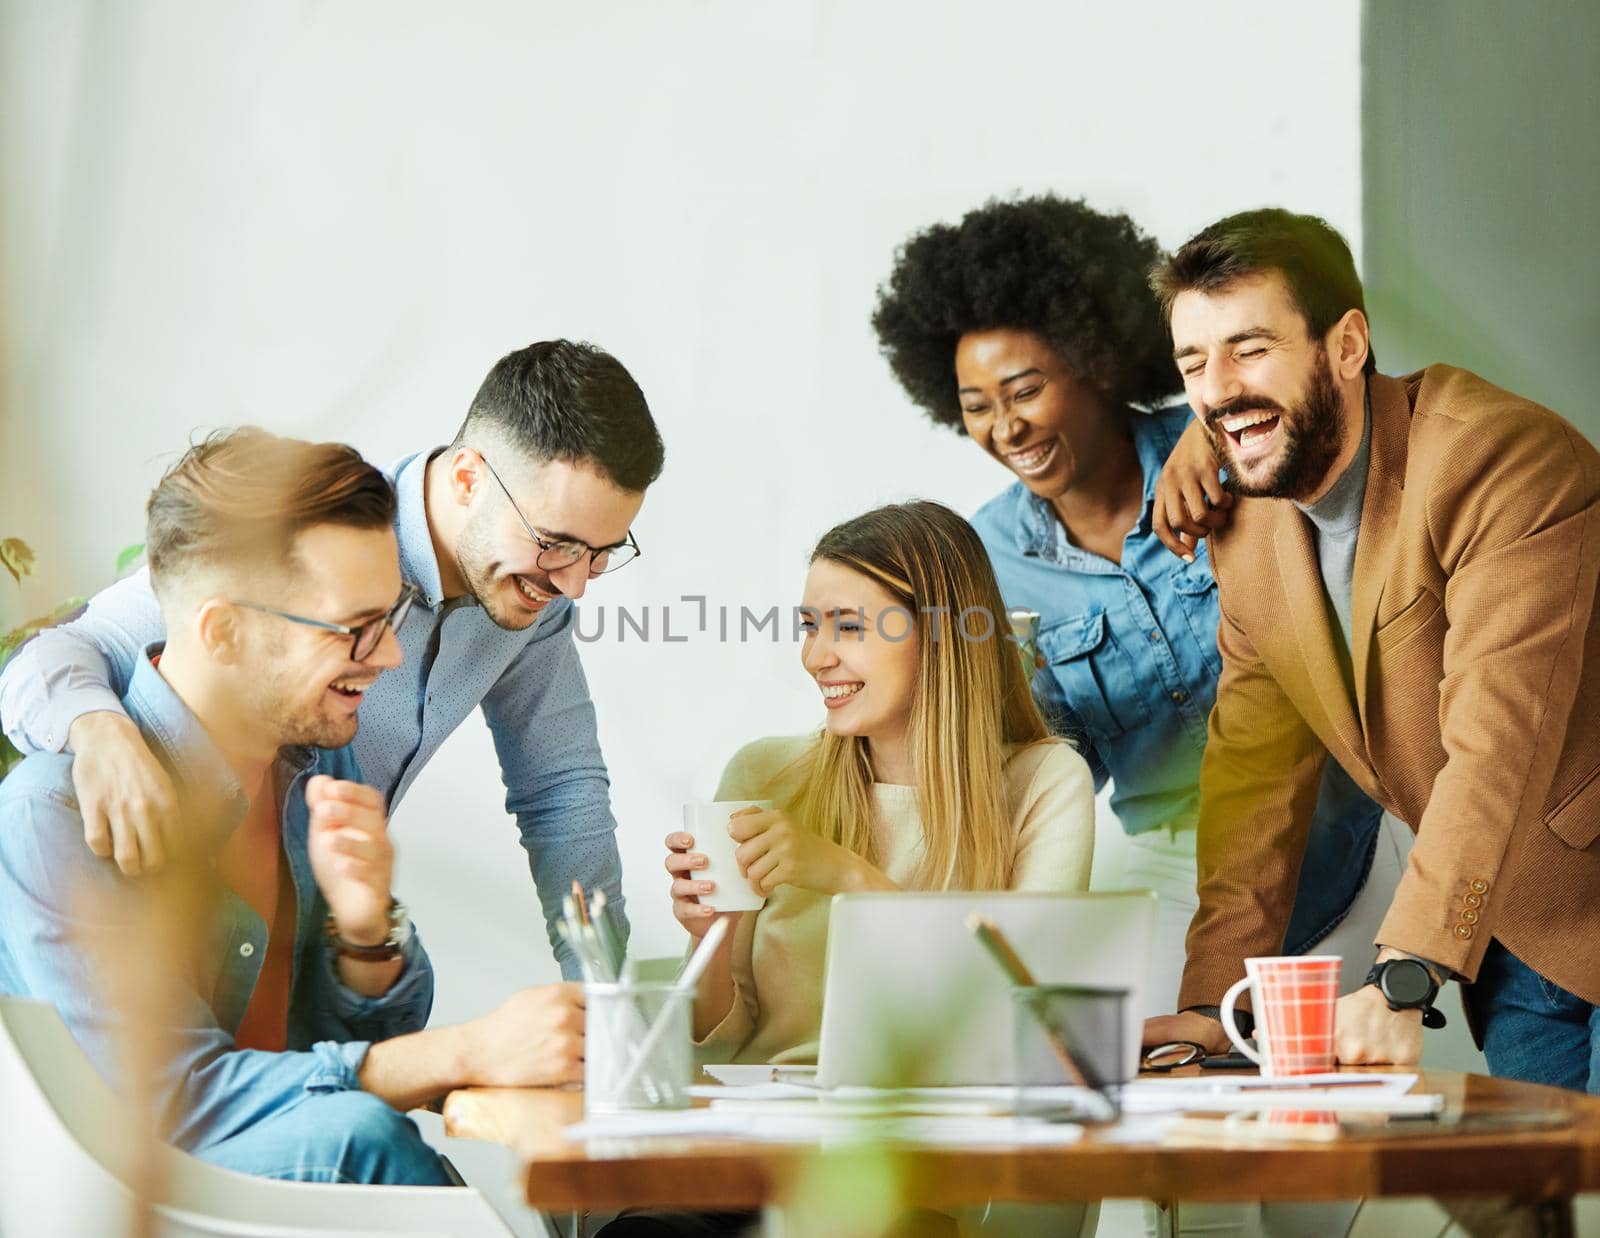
(129, 556)
(17, 558)
(9, 756)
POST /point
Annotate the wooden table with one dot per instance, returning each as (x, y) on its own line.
(1543, 1167)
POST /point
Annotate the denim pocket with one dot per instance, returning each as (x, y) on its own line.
(1197, 588)
(1094, 676)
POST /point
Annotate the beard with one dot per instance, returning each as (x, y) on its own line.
(475, 560)
(1311, 434)
(280, 695)
(308, 725)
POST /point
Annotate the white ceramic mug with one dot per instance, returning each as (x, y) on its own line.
(708, 825)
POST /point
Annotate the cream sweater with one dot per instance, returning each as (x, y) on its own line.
(779, 952)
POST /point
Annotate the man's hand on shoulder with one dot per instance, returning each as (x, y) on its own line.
(351, 856)
(1190, 500)
(128, 803)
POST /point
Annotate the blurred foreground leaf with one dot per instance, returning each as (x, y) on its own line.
(17, 557)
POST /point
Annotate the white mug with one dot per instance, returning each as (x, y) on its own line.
(708, 825)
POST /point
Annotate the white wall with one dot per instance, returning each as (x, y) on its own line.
(332, 218)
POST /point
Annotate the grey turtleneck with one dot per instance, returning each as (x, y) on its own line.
(1337, 520)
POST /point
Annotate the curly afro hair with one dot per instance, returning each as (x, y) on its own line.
(1044, 264)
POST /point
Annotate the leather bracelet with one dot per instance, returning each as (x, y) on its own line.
(390, 948)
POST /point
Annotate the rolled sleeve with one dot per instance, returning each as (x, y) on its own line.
(78, 668)
(336, 1067)
(402, 1008)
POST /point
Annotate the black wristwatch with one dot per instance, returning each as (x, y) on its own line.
(1408, 984)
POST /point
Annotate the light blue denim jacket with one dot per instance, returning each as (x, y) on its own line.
(530, 685)
(1131, 668)
(59, 902)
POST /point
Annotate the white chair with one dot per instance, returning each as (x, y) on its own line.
(68, 1149)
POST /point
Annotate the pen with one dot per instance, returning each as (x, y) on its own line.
(1287, 1082)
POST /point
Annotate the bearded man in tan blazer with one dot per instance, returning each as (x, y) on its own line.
(1408, 586)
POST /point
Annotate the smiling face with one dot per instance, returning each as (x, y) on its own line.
(861, 651)
(297, 681)
(1263, 388)
(1020, 405)
(563, 501)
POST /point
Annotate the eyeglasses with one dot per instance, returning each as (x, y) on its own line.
(365, 637)
(1172, 1055)
(555, 555)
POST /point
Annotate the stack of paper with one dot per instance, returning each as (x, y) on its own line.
(1345, 1092)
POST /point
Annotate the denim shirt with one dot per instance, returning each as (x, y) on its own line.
(529, 683)
(60, 904)
(1130, 673)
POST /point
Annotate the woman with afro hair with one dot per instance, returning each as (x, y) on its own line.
(1029, 327)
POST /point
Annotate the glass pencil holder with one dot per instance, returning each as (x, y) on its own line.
(637, 1051)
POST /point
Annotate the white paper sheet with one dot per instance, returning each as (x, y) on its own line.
(738, 1075)
(1332, 1093)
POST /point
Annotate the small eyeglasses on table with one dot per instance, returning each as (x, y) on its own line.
(1173, 1054)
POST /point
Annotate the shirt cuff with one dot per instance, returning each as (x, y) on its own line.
(337, 1066)
(410, 988)
(66, 709)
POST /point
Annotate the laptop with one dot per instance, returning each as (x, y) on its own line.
(911, 999)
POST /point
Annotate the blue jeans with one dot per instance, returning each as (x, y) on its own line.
(333, 1137)
(1531, 1029)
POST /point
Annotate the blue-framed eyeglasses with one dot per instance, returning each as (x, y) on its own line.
(364, 637)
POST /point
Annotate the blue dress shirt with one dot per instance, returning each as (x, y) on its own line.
(1130, 674)
(60, 904)
(530, 685)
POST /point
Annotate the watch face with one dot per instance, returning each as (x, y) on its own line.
(1406, 982)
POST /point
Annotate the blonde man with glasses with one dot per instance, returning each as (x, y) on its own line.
(267, 972)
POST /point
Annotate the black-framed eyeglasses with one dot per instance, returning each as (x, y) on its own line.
(555, 555)
(364, 637)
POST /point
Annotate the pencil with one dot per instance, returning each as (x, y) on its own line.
(995, 942)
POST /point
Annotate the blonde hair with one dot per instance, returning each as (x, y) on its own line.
(972, 701)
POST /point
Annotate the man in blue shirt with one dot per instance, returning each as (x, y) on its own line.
(500, 532)
(266, 977)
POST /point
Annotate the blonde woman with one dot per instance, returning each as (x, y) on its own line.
(934, 771)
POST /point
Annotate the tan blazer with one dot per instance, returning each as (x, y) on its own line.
(1472, 709)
